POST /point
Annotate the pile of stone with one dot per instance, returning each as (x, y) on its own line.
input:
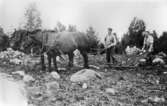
(132, 50)
(11, 56)
(159, 59)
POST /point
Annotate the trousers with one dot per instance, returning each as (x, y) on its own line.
(109, 54)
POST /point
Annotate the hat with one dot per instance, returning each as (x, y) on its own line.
(145, 33)
(110, 29)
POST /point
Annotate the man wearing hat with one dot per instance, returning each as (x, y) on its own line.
(148, 42)
(110, 42)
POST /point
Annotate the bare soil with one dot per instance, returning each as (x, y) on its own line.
(134, 86)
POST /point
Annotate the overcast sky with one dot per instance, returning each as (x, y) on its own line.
(100, 14)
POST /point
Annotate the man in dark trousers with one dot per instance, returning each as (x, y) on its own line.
(110, 43)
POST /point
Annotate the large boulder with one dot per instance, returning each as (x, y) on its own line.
(84, 75)
(158, 60)
(12, 56)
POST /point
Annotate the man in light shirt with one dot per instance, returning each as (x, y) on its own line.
(110, 42)
(148, 42)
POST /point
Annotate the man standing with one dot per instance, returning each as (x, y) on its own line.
(110, 42)
(148, 42)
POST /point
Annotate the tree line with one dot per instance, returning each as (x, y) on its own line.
(133, 36)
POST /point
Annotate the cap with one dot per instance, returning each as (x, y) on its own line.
(110, 29)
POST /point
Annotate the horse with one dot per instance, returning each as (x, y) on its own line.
(55, 44)
(18, 37)
(4, 41)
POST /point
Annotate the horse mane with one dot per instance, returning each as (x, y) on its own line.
(49, 31)
(19, 31)
(35, 31)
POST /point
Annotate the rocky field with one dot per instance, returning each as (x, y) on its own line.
(122, 84)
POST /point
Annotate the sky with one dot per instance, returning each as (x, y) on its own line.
(100, 14)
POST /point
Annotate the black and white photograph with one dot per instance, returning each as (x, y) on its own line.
(83, 53)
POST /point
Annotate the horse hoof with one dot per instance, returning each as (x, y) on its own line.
(86, 67)
(43, 68)
(58, 71)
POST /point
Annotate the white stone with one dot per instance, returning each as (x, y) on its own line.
(55, 75)
(84, 86)
(16, 61)
(20, 72)
(157, 99)
(131, 50)
(142, 60)
(95, 67)
(158, 60)
(165, 72)
(62, 68)
(111, 90)
(27, 78)
(84, 75)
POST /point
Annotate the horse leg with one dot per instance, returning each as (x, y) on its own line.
(71, 59)
(85, 57)
(43, 62)
(49, 62)
(55, 63)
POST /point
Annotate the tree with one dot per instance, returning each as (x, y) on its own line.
(134, 34)
(32, 15)
(93, 39)
(91, 31)
(60, 27)
(137, 25)
(72, 28)
(160, 43)
(56, 30)
(1, 30)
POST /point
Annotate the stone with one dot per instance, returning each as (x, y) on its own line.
(84, 86)
(28, 78)
(111, 91)
(132, 50)
(156, 99)
(84, 75)
(19, 72)
(158, 61)
(55, 75)
(51, 87)
(95, 67)
(142, 60)
(16, 61)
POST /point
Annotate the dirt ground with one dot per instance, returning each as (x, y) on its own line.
(131, 86)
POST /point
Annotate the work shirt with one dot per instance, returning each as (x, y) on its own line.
(148, 43)
(110, 41)
(148, 40)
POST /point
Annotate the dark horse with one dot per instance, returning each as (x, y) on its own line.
(18, 38)
(4, 41)
(56, 44)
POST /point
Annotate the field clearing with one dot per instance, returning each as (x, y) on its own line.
(129, 86)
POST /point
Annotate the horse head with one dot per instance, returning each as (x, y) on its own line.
(4, 41)
(31, 40)
(16, 38)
